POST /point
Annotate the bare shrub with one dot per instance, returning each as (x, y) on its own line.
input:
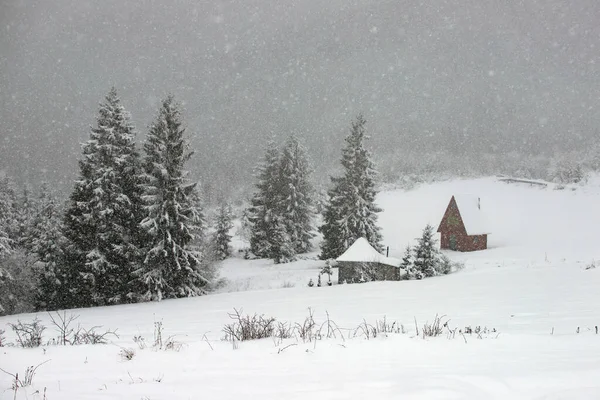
(479, 331)
(62, 323)
(158, 331)
(69, 335)
(2, 338)
(246, 327)
(27, 380)
(28, 334)
(288, 285)
(173, 345)
(283, 330)
(382, 326)
(127, 354)
(332, 331)
(436, 328)
(307, 329)
(92, 336)
(366, 330)
(140, 341)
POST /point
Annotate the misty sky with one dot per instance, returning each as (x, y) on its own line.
(512, 75)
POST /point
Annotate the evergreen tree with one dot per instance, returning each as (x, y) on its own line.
(102, 220)
(296, 204)
(9, 223)
(350, 212)
(263, 205)
(24, 214)
(281, 248)
(173, 266)
(47, 242)
(426, 255)
(407, 264)
(222, 237)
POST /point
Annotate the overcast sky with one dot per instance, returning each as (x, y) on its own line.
(515, 74)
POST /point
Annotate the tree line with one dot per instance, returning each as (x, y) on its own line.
(282, 217)
(134, 229)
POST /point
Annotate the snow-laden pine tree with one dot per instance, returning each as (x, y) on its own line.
(281, 248)
(102, 220)
(407, 264)
(350, 212)
(9, 222)
(426, 254)
(296, 197)
(47, 243)
(222, 236)
(264, 204)
(173, 266)
(25, 211)
(7, 219)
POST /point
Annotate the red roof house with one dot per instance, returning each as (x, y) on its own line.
(463, 227)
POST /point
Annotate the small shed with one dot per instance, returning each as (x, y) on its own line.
(362, 263)
(463, 227)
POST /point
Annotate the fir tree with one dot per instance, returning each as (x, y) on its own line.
(222, 237)
(263, 205)
(173, 266)
(296, 204)
(426, 255)
(9, 222)
(47, 242)
(350, 212)
(407, 264)
(102, 220)
(281, 248)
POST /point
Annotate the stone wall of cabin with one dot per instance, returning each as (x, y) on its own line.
(352, 272)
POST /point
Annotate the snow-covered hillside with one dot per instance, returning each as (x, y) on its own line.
(532, 287)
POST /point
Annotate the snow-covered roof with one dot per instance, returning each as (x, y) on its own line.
(471, 212)
(362, 251)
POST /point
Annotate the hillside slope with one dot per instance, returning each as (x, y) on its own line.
(535, 303)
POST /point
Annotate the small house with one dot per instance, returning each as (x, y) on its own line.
(362, 263)
(463, 227)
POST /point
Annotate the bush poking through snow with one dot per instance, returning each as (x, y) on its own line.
(127, 354)
(246, 327)
(27, 380)
(436, 328)
(69, 335)
(2, 338)
(307, 329)
(28, 334)
(591, 265)
(381, 327)
(140, 341)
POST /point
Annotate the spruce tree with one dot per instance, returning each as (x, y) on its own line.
(47, 242)
(426, 255)
(350, 212)
(296, 197)
(263, 208)
(222, 237)
(407, 264)
(102, 220)
(9, 221)
(173, 266)
(281, 248)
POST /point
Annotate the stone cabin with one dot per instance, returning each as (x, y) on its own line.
(463, 226)
(362, 263)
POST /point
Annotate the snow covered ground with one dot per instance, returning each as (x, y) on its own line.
(532, 287)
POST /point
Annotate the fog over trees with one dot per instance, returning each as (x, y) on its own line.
(456, 85)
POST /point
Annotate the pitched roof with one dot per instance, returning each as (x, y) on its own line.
(362, 251)
(472, 215)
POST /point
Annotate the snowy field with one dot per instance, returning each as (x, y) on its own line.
(531, 286)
